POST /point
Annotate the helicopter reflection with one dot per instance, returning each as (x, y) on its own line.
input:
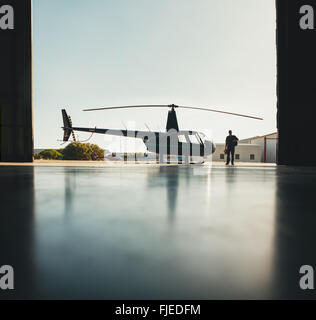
(70, 189)
(175, 177)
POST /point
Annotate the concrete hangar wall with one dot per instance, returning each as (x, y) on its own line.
(296, 85)
(16, 128)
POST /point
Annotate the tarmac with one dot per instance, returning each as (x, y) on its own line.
(112, 231)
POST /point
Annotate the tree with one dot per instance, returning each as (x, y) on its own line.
(48, 154)
(83, 151)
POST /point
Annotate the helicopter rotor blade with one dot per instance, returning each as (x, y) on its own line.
(174, 106)
(127, 107)
(223, 112)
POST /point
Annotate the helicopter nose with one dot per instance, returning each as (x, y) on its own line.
(213, 147)
(210, 147)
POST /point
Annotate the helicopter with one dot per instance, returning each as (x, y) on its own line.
(172, 142)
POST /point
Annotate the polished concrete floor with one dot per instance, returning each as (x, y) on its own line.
(150, 232)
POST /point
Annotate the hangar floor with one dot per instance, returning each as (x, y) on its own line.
(150, 232)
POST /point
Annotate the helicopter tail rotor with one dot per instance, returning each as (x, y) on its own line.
(68, 131)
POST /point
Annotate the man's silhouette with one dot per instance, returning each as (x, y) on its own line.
(231, 143)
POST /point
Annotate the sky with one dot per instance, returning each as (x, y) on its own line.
(219, 54)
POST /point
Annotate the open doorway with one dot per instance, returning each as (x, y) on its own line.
(218, 54)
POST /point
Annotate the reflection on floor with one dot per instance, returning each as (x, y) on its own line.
(157, 232)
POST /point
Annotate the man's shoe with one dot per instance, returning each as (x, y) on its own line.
(227, 163)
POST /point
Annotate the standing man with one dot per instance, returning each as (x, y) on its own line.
(231, 143)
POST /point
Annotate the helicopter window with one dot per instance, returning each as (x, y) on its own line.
(202, 137)
(182, 138)
(194, 139)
